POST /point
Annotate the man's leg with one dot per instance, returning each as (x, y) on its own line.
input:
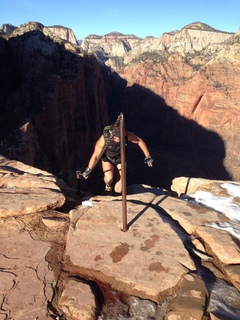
(108, 171)
(118, 185)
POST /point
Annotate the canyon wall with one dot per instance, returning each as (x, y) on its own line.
(53, 102)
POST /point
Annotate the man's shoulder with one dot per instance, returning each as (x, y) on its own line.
(101, 140)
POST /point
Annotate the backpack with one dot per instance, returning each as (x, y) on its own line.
(106, 134)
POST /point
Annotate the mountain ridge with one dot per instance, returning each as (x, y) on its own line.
(192, 38)
(7, 28)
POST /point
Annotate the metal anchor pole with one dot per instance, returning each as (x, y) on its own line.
(123, 174)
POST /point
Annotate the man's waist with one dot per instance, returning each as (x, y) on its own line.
(113, 157)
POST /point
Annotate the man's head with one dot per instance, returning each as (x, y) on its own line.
(115, 130)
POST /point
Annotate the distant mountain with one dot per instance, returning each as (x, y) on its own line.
(116, 48)
(52, 31)
(201, 26)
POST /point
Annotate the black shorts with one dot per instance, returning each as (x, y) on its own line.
(114, 161)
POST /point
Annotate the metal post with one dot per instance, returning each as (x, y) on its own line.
(123, 173)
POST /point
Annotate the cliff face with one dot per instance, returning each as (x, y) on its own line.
(53, 103)
(111, 45)
(55, 99)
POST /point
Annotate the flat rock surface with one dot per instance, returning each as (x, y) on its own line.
(25, 189)
(148, 260)
(26, 280)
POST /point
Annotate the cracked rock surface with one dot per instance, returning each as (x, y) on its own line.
(71, 260)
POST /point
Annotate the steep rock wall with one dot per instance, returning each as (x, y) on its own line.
(54, 98)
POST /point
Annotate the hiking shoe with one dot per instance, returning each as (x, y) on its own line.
(108, 188)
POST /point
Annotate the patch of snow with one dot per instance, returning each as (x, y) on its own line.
(224, 205)
(88, 203)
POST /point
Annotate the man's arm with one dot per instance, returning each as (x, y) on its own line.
(135, 139)
(97, 150)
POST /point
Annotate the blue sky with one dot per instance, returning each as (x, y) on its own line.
(141, 18)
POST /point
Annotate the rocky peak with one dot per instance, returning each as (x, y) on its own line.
(120, 36)
(199, 26)
(6, 29)
(114, 33)
(53, 31)
(193, 38)
(113, 44)
(27, 27)
(63, 33)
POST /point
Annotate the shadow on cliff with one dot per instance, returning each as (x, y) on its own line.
(179, 147)
(66, 99)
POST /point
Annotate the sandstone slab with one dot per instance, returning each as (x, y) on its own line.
(187, 214)
(221, 244)
(190, 300)
(25, 189)
(188, 186)
(147, 261)
(218, 247)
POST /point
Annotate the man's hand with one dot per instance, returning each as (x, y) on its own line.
(86, 173)
(149, 161)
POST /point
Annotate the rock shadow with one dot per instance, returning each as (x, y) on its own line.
(179, 146)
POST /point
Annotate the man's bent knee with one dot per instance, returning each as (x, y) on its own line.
(108, 181)
(107, 170)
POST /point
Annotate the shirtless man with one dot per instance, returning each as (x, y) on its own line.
(111, 158)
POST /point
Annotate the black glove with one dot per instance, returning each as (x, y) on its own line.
(86, 173)
(149, 161)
